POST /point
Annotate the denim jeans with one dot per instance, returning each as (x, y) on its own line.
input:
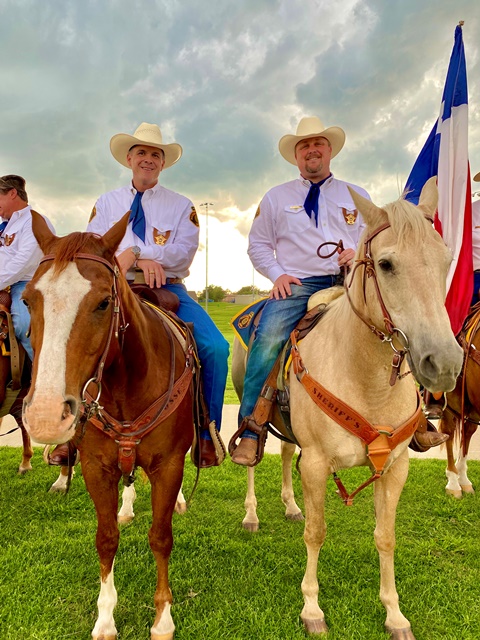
(278, 320)
(21, 316)
(476, 288)
(212, 350)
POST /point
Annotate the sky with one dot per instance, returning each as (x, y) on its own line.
(226, 80)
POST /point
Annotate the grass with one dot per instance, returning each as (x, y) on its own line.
(221, 313)
(227, 583)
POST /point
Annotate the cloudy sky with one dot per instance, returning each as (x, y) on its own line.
(226, 80)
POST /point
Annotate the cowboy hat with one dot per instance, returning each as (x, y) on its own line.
(311, 128)
(148, 135)
(476, 177)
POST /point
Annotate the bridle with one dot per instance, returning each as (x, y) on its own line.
(369, 271)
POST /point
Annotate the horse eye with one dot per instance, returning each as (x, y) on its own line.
(104, 304)
(26, 304)
(385, 265)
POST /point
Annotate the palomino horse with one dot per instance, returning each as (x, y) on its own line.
(462, 413)
(93, 338)
(347, 368)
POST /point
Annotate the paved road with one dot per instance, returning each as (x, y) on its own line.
(229, 427)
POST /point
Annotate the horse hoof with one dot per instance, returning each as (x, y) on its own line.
(62, 490)
(250, 526)
(400, 634)
(454, 493)
(467, 488)
(124, 519)
(181, 508)
(315, 627)
(163, 636)
(104, 637)
(295, 517)
(23, 470)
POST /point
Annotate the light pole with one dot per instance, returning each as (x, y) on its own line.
(206, 205)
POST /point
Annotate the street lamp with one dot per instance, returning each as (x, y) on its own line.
(206, 205)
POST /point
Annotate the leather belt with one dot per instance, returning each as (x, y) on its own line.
(174, 280)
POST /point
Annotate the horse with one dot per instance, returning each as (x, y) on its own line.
(111, 373)
(349, 377)
(461, 415)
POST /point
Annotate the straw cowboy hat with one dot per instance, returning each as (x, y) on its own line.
(146, 134)
(476, 177)
(311, 128)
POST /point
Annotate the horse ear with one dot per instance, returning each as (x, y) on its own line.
(428, 200)
(369, 211)
(114, 236)
(43, 235)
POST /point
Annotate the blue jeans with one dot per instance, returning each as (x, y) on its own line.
(476, 288)
(212, 350)
(278, 320)
(21, 316)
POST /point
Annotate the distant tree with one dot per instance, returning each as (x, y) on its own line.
(215, 293)
(247, 291)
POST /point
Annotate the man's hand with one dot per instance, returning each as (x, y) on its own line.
(125, 260)
(346, 257)
(153, 271)
(281, 286)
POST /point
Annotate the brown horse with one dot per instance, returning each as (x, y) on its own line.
(462, 413)
(111, 373)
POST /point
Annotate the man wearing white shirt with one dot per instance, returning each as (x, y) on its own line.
(19, 251)
(476, 245)
(161, 240)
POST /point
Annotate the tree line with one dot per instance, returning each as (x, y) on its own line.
(217, 294)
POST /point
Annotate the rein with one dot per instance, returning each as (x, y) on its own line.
(128, 434)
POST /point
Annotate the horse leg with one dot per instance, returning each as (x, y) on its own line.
(250, 522)
(461, 463)
(387, 493)
(102, 485)
(453, 488)
(314, 481)
(292, 510)
(181, 504)
(61, 483)
(27, 454)
(126, 514)
(166, 481)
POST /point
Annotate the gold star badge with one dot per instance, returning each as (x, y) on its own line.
(9, 239)
(350, 216)
(159, 237)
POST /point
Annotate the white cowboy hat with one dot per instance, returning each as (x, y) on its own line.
(311, 128)
(476, 177)
(148, 135)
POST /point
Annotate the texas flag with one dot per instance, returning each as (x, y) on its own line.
(445, 155)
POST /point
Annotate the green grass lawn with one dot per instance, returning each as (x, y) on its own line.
(221, 313)
(227, 583)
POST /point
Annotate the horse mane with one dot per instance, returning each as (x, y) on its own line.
(409, 225)
(77, 242)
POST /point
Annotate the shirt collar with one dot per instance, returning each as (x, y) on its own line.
(18, 214)
(307, 183)
(154, 189)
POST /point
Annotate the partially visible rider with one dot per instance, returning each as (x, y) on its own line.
(19, 251)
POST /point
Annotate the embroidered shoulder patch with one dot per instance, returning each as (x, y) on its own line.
(257, 213)
(93, 214)
(245, 320)
(194, 217)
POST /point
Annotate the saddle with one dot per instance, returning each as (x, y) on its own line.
(158, 297)
(8, 341)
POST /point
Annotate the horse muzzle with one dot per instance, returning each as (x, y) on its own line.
(439, 369)
(50, 420)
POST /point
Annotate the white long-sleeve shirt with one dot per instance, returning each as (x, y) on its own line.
(476, 234)
(284, 239)
(171, 226)
(19, 250)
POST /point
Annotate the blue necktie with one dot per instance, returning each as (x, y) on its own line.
(311, 201)
(3, 225)
(137, 216)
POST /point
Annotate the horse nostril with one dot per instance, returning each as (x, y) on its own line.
(69, 408)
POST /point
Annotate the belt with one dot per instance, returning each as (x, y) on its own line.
(174, 280)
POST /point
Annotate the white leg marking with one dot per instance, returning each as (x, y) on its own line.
(165, 625)
(105, 625)
(126, 513)
(60, 485)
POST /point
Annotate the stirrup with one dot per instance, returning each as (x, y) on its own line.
(262, 432)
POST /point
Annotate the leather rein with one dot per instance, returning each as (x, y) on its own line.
(128, 434)
(380, 440)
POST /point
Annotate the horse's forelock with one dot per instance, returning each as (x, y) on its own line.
(76, 242)
(407, 222)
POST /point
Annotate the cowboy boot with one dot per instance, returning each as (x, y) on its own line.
(426, 436)
(63, 455)
(434, 404)
(210, 450)
(245, 453)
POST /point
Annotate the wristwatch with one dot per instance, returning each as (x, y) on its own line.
(136, 252)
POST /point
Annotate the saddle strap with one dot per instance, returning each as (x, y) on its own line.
(15, 355)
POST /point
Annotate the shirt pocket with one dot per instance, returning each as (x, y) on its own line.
(296, 219)
(348, 214)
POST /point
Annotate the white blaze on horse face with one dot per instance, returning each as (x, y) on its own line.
(62, 296)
